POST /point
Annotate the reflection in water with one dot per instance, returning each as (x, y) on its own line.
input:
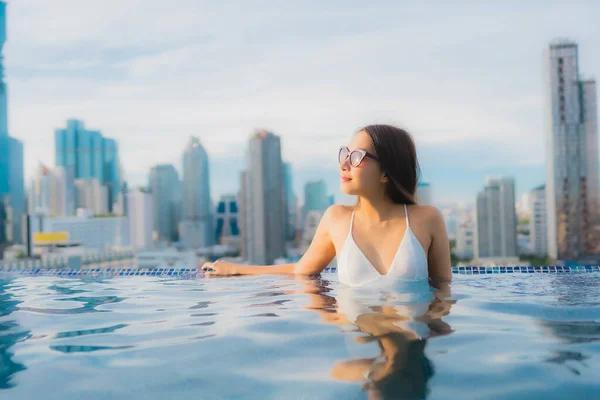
(86, 349)
(90, 331)
(562, 357)
(89, 305)
(10, 333)
(571, 332)
(400, 321)
(579, 290)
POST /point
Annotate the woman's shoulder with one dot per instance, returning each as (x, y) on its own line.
(425, 210)
(338, 211)
(427, 215)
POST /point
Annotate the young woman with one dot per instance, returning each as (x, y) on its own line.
(386, 236)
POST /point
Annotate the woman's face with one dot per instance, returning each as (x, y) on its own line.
(367, 177)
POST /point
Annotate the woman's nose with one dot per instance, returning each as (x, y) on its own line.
(345, 165)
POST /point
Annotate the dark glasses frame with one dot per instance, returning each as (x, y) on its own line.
(363, 154)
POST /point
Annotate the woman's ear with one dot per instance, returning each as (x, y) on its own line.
(385, 178)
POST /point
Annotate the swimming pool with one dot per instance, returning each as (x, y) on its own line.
(269, 337)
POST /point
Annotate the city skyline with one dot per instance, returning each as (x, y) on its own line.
(466, 100)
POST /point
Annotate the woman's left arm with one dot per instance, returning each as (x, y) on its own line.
(438, 259)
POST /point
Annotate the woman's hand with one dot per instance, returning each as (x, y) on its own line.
(220, 268)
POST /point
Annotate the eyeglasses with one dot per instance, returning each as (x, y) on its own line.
(356, 156)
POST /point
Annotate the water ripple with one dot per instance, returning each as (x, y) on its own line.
(152, 338)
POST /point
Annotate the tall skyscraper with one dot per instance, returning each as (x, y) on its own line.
(4, 221)
(290, 202)
(464, 240)
(538, 222)
(166, 193)
(197, 219)
(315, 197)
(112, 175)
(90, 156)
(140, 217)
(496, 220)
(12, 188)
(263, 200)
(572, 181)
(3, 89)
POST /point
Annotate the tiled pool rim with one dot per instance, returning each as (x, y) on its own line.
(183, 272)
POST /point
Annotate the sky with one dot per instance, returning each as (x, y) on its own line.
(466, 79)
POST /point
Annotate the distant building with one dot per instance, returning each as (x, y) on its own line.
(227, 231)
(465, 240)
(290, 202)
(424, 195)
(538, 222)
(496, 220)
(90, 156)
(12, 187)
(315, 198)
(92, 195)
(165, 186)
(311, 224)
(5, 224)
(197, 220)
(262, 200)
(572, 192)
(92, 233)
(53, 192)
(140, 213)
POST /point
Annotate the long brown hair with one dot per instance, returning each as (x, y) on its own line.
(397, 155)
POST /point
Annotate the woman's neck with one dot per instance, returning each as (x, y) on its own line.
(376, 209)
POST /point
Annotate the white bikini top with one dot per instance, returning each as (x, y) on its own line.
(409, 263)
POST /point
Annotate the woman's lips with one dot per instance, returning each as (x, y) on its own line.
(345, 179)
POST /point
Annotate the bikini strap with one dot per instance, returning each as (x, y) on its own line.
(406, 213)
(351, 221)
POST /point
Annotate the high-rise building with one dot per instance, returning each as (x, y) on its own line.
(496, 220)
(424, 195)
(41, 191)
(90, 155)
(52, 192)
(263, 206)
(12, 188)
(227, 220)
(465, 240)
(290, 202)
(5, 234)
(197, 219)
(112, 175)
(92, 195)
(315, 198)
(244, 222)
(63, 192)
(140, 216)
(313, 217)
(3, 89)
(538, 222)
(572, 181)
(165, 186)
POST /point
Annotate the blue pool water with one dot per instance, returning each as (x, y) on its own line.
(530, 336)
